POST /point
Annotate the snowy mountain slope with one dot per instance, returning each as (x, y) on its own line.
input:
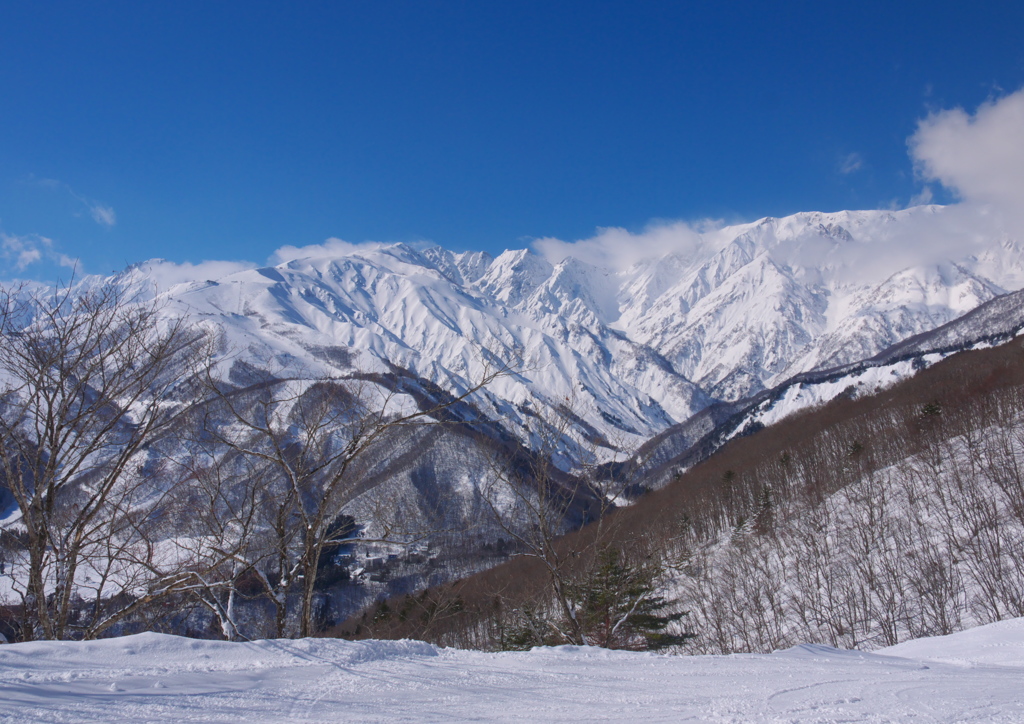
(395, 306)
(994, 322)
(631, 351)
(157, 678)
(911, 300)
(782, 296)
(734, 321)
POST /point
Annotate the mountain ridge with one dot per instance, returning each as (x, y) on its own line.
(636, 349)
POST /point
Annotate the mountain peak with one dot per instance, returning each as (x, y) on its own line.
(636, 349)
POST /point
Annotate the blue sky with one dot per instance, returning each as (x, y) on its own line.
(225, 130)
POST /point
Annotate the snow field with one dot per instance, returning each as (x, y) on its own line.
(973, 676)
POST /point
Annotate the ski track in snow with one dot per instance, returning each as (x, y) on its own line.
(973, 676)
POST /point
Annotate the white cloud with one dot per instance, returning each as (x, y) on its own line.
(20, 251)
(64, 260)
(165, 274)
(23, 251)
(617, 248)
(331, 247)
(980, 157)
(850, 163)
(923, 198)
(102, 215)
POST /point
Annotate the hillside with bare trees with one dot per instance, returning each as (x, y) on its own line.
(859, 524)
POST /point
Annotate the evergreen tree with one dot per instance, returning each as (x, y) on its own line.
(527, 629)
(620, 609)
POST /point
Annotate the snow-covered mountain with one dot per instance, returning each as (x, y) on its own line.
(630, 351)
(681, 446)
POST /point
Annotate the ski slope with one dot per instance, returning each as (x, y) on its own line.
(974, 676)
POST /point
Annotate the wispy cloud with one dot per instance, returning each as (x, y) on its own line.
(923, 197)
(883, 243)
(166, 274)
(102, 214)
(46, 183)
(617, 248)
(851, 163)
(23, 251)
(331, 247)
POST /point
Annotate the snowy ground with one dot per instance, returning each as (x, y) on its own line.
(976, 675)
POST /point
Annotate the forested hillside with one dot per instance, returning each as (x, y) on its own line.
(860, 524)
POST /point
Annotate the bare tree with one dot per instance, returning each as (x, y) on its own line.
(535, 503)
(301, 441)
(89, 382)
(219, 519)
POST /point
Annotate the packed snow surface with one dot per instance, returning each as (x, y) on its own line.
(971, 676)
